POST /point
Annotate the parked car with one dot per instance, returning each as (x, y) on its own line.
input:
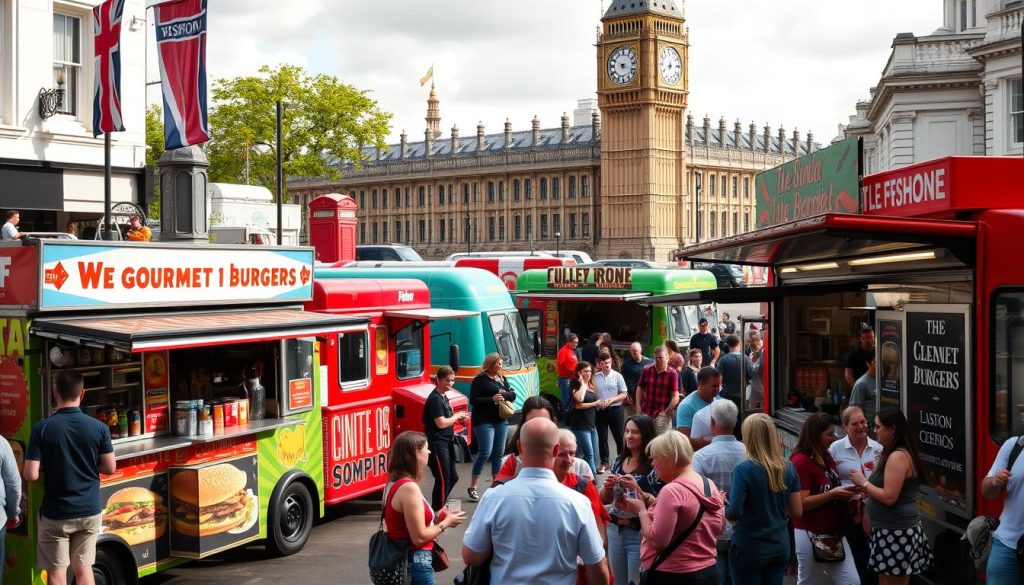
(727, 275)
(395, 252)
(502, 253)
(630, 263)
(579, 257)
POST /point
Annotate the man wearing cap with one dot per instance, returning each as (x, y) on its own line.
(706, 342)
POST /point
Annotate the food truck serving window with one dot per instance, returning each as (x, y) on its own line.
(1008, 364)
(353, 360)
(409, 351)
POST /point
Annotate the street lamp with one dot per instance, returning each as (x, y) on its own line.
(558, 243)
(696, 206)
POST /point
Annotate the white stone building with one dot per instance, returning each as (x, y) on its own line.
(51, 166)
(956, 91)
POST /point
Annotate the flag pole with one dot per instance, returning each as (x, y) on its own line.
(107, 203)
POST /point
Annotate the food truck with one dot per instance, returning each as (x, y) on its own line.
(496, 327)
(507, 268)
(235, 414)
(926, 259)
(587, 299)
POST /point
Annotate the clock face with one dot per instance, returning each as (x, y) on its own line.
(670, 65)
(622, 65)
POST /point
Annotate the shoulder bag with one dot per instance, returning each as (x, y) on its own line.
(505, 408)
(678, 540)
(438, 558)
(388, 559)
(828, 548)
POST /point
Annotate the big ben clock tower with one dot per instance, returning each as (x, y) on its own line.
(642, 93)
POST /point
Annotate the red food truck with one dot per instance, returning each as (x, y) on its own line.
(209, 373)
(930, 263)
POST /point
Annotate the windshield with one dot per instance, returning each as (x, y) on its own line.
(524, 339)
(511, 340)
(408, 254)
(684, 321)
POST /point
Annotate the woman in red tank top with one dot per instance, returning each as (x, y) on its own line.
(407, 513)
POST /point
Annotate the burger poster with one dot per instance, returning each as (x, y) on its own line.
(213, 507)
(135, 512)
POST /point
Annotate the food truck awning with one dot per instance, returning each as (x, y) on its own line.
(430, 314)
(835, 236)
(595, 295)
(751, 294)
(161, 331)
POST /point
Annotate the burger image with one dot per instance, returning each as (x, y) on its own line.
(890, 361)
(136, 515)
(210, 501)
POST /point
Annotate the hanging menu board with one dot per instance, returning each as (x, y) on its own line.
(889, 361)
(937, 379)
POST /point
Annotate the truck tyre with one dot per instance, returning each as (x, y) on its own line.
(112, 567)
(290, 520)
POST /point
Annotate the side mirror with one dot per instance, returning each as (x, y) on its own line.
(453, 356)
(536, 343)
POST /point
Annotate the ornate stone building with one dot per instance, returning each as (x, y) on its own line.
(626, 184)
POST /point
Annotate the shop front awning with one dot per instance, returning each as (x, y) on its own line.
(725, 296)
(836, 236)
(162, 331)
(430, 314)
(595, 296)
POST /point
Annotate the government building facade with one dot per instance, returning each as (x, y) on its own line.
(630, 175)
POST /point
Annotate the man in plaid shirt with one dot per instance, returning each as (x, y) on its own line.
(657, 392)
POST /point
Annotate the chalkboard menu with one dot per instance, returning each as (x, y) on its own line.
(889, 362)
(936, 348)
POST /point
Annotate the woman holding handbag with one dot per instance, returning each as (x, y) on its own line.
(407, 513)
(488, 389)
(822, 553)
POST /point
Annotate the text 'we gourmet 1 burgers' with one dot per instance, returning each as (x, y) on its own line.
(135, 515)
(210, 500)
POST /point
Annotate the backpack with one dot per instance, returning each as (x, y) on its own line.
(978, 535)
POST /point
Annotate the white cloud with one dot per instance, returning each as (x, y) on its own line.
(785, 62)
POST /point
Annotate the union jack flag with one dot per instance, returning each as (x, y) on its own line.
(181, 44)
(106, 103)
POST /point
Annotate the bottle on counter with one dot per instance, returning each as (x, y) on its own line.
(113, 424)
(134, 423)
(122, 421)
(205, 423)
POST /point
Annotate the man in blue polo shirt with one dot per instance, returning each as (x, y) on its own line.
(73, 449)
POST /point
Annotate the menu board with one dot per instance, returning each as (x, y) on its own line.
(937, 379)
(889, 362)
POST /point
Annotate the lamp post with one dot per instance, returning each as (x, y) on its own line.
(696, 206)
(558, 243)
(280, 180)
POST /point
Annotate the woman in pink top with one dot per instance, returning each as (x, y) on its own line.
(663, 557)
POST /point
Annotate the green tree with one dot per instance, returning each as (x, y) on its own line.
(154, 150)
(324, 121)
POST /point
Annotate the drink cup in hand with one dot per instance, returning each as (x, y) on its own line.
(454, 505)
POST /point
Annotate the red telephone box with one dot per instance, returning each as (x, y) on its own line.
(332, 227)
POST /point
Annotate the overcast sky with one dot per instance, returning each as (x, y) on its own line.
(800, 64)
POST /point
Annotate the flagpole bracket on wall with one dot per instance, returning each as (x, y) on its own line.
(50, 101)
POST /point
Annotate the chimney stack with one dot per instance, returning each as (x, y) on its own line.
(796, 142)
(782, 140)
(707, 130)
(810, 142)
(689, 128)
(428, 142)
(481, 141)
(455, 140)
(565, 128)
(753, 135)
(721, 132)
(403, 150)
(737, 133)
(535, 126)
(767, 138)
(595, 124)
(508, 134)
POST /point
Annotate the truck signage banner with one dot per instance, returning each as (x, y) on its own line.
(824, 181)
(78, 276)
(19, 273)
(614, 277)
(937, 379)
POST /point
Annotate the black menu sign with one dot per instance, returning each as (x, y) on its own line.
(889, 362)
(936, 385)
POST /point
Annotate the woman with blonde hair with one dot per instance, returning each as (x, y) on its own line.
(765, 490)
(488, 388)
(407, 514)
(680, 530)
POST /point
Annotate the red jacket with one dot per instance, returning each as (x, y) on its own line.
(566, 361)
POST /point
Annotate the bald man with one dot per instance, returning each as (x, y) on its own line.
(509, 518)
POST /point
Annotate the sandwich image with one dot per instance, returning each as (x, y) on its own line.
(210, 501)
(136, 515)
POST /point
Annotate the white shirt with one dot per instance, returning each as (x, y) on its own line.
(1011, 521)
(847, 459)
(701, 425)
(536, 527)
(9, 231)
(609, 386)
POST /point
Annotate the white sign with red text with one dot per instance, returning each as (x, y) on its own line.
(79, 276)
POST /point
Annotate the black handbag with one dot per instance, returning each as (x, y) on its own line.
(388, 559)
(475, 575)
(672, 546)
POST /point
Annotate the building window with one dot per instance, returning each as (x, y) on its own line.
(421, 196)
(723, 185)
(517, 233)
(451, 225)
(572, 226)
(501, 190)
(700, 221)
(373, 199)
(407, 198)
(440, 231)
(501, 229)
(423, 230)
(465, 193)
(543, 226)
(490, 229)
(746, 221)
(515, 191)
(543, 189)
(374, 232)
(440, 195)
(383, 198)
(585, 186)
(529, 226)
(408, 230)
(490, 191)
(711, 222)
(398, 231)
(67, 59)
(465, 230)
(586, 225)
(1016, 112)
(572, 187)
(746, 187)
(735, 187)
(711, 184)
(556, 224)
(384, 232)
(735, 223)
(362, 232)
(362, 200)
(451, 194)
(528, 187)
(556, 188)
(398, 198)
(724, 224)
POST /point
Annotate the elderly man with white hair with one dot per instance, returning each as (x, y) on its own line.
(566, 475)
(716, 462)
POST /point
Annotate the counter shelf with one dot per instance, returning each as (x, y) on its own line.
(138, 447)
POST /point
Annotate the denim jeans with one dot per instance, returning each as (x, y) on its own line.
(586, 445)
(624, 554)
(490, 445)
(3, 535)
(1003, 568)
(722, 564)
(421, 568)
(749, 569)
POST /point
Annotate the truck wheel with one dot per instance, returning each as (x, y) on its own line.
(111, 568)
(290, 520)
